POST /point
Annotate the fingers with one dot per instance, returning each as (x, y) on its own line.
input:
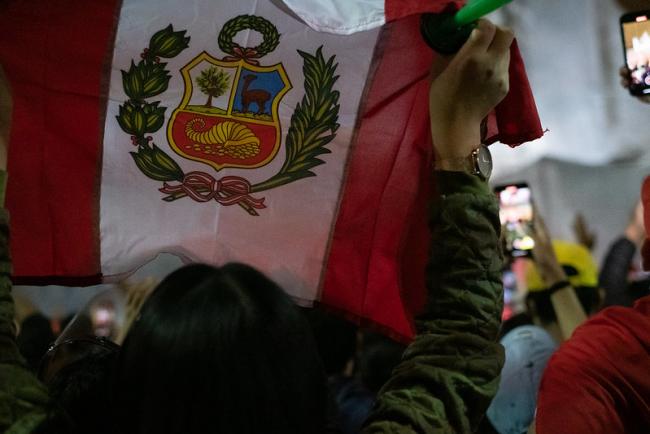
(488, 37)
(502, 41)
(500, 51)
(473, 83)
(480, 38)
(503, 62)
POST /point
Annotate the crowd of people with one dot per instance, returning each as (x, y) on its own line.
(225, 350)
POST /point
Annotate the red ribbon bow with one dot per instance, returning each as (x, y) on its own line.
(244, 53)
(229, 190)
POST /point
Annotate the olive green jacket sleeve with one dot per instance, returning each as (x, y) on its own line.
(450, 373)
(23, 398)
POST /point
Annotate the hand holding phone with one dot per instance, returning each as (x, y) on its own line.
(635, 30)
(516, 214)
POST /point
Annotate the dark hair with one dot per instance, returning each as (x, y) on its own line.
(513, 322)
(587, 295)
(219, 350)
(34, 339)
(79, 390)
(336, 339)
(486, 427)
(380, 355)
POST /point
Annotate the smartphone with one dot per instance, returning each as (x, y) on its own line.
(635, 29)
(516, 214)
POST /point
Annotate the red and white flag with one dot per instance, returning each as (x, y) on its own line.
(228, 131)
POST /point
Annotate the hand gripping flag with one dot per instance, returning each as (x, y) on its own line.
(229, 131)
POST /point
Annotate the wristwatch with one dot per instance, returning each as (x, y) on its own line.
(478, 162)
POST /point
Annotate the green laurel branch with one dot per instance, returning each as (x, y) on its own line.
(139, 117)
(157, 165)
(313, 123)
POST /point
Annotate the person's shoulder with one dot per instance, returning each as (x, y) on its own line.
(642, 306)
(601, 370)
(635, 320)
(23, 400)
(613, 337)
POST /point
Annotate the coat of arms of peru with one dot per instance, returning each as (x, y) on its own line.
(228, 115)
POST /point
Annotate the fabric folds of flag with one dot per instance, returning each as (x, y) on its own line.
(292, 136)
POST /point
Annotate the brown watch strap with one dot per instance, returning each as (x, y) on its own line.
(460, 164)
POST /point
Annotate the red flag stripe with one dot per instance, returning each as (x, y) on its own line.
(382, 188)
(396, 9)
(57, 127)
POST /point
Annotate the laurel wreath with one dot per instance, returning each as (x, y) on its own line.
(313, 123)
(138, 117)
(271, 37)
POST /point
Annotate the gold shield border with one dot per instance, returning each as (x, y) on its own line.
(240, 64)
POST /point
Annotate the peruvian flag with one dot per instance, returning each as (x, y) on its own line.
(292, 136)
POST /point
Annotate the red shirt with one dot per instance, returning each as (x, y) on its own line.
(599, 380)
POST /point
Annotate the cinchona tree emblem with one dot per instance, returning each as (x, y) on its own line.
(228, 116)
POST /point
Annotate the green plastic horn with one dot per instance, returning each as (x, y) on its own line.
(447, 32)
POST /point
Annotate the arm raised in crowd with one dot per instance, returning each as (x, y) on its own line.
(614, 271)
(567, 307)
(450, 373)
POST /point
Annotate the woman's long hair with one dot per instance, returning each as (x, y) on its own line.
(219, 350)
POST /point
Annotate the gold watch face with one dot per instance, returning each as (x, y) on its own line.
(484, 161)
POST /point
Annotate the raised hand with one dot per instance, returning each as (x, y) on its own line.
(469, 87)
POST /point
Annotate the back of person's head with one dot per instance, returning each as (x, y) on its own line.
(34, 339)
(581, 271)
(336, 339)
(221, 350)
(518, 320)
